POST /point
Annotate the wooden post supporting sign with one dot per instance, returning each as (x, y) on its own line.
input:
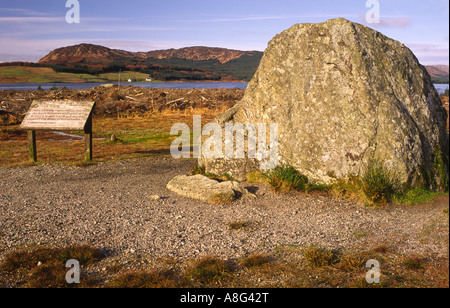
(88, 140)
(32, 145)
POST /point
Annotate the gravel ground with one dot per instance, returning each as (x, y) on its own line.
(110, 206)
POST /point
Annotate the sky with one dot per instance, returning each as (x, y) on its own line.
(30, 29)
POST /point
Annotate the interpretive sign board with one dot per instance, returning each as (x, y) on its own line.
(59, 116)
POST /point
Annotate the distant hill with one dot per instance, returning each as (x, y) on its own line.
(439, 73)
(84, 53)
(191, 63)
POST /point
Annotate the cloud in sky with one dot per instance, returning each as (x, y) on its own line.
(388, 22)
(400, 22)
(31, 19)
(430, 54)
(262, 18)
(22, 11)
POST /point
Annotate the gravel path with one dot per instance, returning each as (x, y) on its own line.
(110, 206)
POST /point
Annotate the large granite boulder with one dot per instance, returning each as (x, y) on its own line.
(343, 95)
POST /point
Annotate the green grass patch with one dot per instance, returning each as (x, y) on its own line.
(124, 76)
(86, 77)
(257, 177)
(286, 178)
(416, 196)
(143, 136)
(378, 184)
(442, 168)
(146, 138)
(41, 79)
(13, 72)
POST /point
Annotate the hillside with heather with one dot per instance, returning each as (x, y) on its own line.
(191, 63)
(438, 73)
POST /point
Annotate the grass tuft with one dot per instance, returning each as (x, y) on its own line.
(286, 178)
(318, 257)
(210, 270)
(146, 280)
(257, 177)
(378, 184)
(198, 169)
(239, 225)
(255, 260)
(414, 263)
(353, 262)
(222, 198)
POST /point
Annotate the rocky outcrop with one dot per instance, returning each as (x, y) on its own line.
(343, 95)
